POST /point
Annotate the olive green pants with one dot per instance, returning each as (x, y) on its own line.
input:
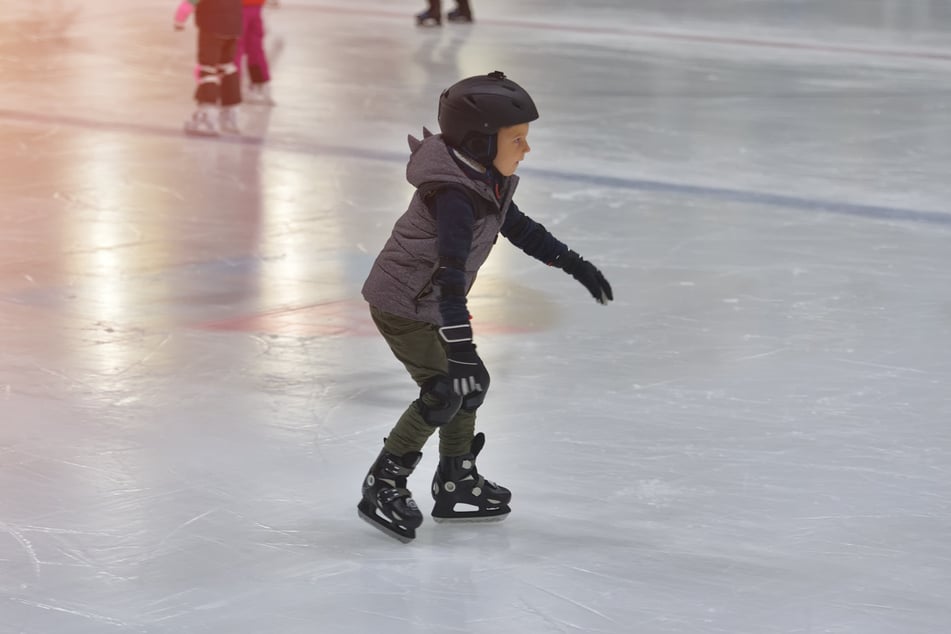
(418, 347)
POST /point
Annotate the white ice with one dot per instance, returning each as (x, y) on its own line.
(752, 439)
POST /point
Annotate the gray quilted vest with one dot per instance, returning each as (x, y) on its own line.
(400, 281)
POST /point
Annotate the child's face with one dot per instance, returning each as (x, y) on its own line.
(512, 148)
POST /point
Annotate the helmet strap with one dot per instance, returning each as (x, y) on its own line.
(479, 147)
(469, 161)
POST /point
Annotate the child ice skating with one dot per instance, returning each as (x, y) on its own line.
(219, 87)
(465, 181)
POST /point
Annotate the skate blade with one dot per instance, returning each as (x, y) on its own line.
(387, 529)
(470, 519)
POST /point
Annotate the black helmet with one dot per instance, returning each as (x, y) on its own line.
(472, 110)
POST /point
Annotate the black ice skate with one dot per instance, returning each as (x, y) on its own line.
(459, 16)
(387, 504)
(429, 18)
(462, 495)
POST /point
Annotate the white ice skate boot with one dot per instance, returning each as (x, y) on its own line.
(228, 120)
(203, 121)
(259, 94)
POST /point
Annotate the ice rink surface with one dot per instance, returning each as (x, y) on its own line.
(752, 439)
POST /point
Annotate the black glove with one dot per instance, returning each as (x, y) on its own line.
(586, 273)
(466, 370)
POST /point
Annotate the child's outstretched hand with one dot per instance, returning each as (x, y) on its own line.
(182, 13)
(586, 273)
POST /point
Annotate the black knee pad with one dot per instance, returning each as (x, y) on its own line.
(438, 387)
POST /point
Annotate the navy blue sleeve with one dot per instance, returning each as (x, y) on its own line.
(455, 218)
(531, 237)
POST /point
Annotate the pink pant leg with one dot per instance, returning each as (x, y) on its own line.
(252, 45)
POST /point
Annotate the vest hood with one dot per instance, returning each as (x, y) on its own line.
(431, 160)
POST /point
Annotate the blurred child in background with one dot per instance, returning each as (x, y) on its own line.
(219, 86)
(252, 44)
